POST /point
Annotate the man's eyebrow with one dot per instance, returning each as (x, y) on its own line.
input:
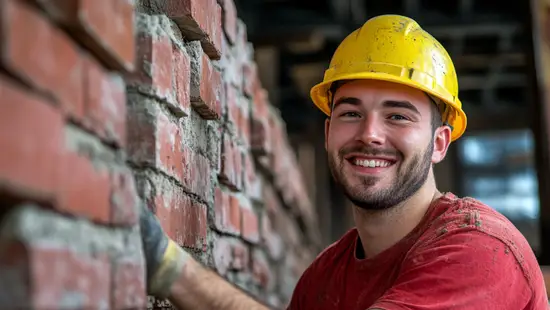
(346, 100)
(400, 104)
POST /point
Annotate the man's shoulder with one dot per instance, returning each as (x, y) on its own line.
(469, 220)
(462, 214)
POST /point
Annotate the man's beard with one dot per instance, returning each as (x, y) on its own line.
(409, 178)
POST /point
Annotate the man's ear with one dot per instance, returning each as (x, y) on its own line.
(442, 140)
(327, 125)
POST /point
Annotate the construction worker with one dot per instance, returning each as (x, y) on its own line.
(391, 97)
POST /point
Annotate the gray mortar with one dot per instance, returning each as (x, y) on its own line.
(84, 143)
(195, 132)
(34, 225)
(194, 50)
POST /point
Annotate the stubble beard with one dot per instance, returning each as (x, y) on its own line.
(409, 179)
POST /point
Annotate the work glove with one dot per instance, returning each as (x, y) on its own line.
(165, 260)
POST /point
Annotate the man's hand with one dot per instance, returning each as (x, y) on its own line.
(164, 258)
(173, 273)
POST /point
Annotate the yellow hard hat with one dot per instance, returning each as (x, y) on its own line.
(394, 48)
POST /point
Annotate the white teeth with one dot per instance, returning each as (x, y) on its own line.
(371, 163)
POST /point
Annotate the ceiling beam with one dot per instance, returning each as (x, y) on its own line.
(454, 31)
(472, 82)
(484, 61)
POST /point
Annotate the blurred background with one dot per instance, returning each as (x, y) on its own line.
(499, 51)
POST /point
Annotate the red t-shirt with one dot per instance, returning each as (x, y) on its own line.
(463, 255)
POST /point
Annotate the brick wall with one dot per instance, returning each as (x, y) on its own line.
(103, 103)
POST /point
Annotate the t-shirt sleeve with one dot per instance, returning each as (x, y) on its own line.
(463, 270)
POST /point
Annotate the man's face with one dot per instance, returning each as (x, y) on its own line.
(380, 142)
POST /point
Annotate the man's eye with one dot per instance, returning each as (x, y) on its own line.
(397, 117)
(349, 114)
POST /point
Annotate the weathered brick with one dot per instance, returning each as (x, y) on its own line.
(154, 139)
(38, 276)
(182, 78)
(31, 139)
(250, 229)
(231, 163)
(104, 102)
(84, 190)
(197, 20)
(260, 129)
(227, 212)
(128, 290)
(160, 64)
(229, 20)
(104, 27)
(41, 55)
(124, 209)
(183, 218)
(230, 254)
(249, 78)
(252, 181)
(197, 176)
(170, 149)
(206, 85)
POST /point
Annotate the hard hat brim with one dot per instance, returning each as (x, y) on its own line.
(319, 96)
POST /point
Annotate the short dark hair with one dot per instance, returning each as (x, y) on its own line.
(437, 120)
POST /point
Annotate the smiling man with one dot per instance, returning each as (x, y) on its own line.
(391, 97)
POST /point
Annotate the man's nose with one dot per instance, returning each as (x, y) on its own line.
(371, 131)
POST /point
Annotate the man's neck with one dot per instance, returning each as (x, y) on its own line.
(379, 230)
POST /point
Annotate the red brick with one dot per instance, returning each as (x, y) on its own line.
(32, 142)
(124, 198)
(48, 274)
(84, 191)
(252, 183)
(250, 224)
(105, 102)
(197, 173)
(205, 97)
(154, 140)
(227, 212)
(104, 27)
(182, 78)
(41, 54)
(259, 137)
(231, 163)
(198, 20)
(229, 20)
(260, 130)
(249, 78)
(183, 218)
(232, 104)
(154, 67)
(129, 288)
(170, 149)
(244, 125)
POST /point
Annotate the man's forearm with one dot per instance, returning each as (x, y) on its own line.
(200, 288)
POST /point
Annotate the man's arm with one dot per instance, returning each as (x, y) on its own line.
(466, 270)
(173, 273)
